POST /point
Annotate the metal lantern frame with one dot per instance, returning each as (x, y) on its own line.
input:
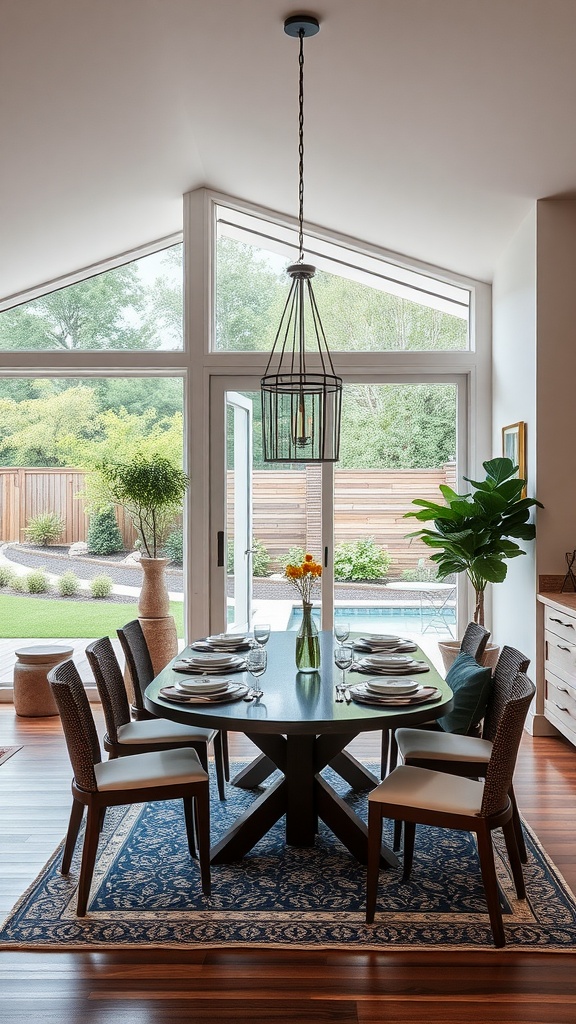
(301, 407)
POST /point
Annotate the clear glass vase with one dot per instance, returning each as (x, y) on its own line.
(307, 642)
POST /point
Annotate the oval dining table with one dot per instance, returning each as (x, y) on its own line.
(300, 729)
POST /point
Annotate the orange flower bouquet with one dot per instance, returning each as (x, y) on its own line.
(303, 577)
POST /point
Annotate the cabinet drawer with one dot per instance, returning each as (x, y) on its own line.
(562, 624)
(560, 654)
(560, 707)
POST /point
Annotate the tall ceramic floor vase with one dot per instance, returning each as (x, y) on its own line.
(450, 649)
(158, 625)
(307, 642)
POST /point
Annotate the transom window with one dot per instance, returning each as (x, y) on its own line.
(367, 304)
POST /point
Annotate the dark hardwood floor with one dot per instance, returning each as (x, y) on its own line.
(270, 986)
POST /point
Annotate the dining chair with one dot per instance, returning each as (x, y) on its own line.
(467, 755)
(473, 643)
(125, 736)
(139, 778)
(139, 663)
(422, 796)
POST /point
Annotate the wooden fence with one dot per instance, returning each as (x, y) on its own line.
(286, 507)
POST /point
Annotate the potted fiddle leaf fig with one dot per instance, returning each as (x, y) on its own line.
(477, 533)
(151, 490)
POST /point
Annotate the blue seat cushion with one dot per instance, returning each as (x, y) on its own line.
(471, 684)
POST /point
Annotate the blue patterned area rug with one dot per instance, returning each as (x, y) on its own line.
(146, 892)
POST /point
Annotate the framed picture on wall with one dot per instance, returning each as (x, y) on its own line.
(514, 447)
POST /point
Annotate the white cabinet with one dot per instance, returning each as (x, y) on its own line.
(560, 670)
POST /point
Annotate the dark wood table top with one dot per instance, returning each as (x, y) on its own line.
(297, 703)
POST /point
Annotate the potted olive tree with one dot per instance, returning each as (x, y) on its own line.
(151, 490)
(476, 533)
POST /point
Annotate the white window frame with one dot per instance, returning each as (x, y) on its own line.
(196, 364)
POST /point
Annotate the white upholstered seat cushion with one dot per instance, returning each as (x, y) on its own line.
(410, 786)
(444, 746)
(160, 730)
(156, 768)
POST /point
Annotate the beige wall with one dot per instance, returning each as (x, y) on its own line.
(534, 380)
(514, 399)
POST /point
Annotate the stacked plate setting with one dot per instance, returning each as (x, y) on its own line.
(380, 643)
(390, 664)
(216, 688)
(223, 642)
(393, 691)
(210, 662)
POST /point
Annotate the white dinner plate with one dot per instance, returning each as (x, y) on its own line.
(216, 684)
(392, 686)
(227, 639)
(210, 660)
(380, 638)
(388, 660)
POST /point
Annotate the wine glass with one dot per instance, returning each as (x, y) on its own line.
(343, 659)
(257, 663)
(341, 631)
(262, 633)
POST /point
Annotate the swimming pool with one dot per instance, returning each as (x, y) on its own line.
(380, 619)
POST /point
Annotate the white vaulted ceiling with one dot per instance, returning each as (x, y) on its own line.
(431, 125)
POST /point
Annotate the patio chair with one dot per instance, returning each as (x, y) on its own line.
(467, 756)
(125, 736)
(421, 796)
(139, 778)
(139, 664)
(473, 643)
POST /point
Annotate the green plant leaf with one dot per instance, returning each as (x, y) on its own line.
(500, 469)
(490, 568)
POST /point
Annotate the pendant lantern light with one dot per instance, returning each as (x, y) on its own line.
(301, 407)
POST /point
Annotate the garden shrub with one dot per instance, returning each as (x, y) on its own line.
(7, 576)
(37, 582)
(360, 560)
(260, 559)
(68, 584)
(174, 547)
(44, 528)
(19, 584)
(423, 573)
(101, 586)
(295, 556)
(104, 537)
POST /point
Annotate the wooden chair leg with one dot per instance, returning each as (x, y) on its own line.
(409, 837)
(88, 858)
(486, 853)
(518, 827)
(202, 816)
(384, 752)
(393, 751)
(225, 755)
(220, 764)
(397, 841)
(374, 844)
(76, 815)
(189, 821)
(514, 858)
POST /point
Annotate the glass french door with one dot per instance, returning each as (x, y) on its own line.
(400, 441)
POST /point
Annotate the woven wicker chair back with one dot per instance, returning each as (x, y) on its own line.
(78, 723)
(108, 676)
(137, 658)
(505, 747)
(509, 664)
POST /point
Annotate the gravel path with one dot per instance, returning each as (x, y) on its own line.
(56, 561)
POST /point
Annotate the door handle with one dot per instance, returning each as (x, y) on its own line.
(220, 544)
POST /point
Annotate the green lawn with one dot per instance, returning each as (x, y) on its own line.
(29, 617)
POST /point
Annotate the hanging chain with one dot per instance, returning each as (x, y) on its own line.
(301, 148)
